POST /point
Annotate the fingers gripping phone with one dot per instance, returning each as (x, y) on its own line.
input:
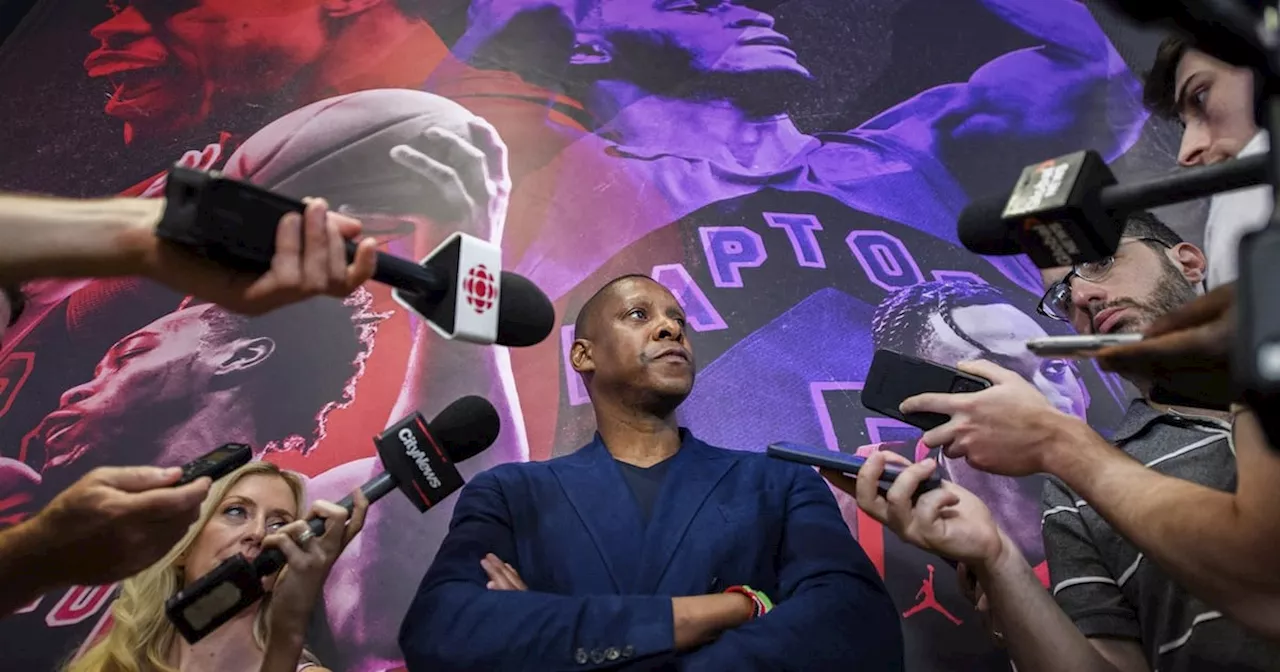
(894, 377)
(850, 464)
(1084, 345)
(846, 464)
(216, 463)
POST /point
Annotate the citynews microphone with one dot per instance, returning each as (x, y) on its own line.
(418, 458)
(1070, 210)
(460, 287)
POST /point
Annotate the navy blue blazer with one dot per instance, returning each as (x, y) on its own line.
(601, 580)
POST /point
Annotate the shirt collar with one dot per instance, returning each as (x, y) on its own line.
(1142, 415)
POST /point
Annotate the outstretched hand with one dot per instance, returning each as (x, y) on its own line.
(124, 518)
(1009, 429)
(949, 521)
(466, 181)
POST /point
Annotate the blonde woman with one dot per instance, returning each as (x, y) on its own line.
(253, 508)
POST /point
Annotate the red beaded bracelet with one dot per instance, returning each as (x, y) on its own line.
(761, 604)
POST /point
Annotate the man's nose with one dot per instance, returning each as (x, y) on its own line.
(670, 330)
(77, 393)
(1195, 144)
(1085, 294)
(122, 28)
(741, 16)
(1086, 299)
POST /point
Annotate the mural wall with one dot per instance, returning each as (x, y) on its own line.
(791, 170)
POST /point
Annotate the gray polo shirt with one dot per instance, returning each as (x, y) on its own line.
(1109, 589)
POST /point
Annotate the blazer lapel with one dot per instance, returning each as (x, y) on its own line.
(595, 487)
(693, 475)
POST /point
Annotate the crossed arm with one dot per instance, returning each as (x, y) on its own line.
(831, 605)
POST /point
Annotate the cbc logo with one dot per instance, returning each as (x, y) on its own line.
(481, 288)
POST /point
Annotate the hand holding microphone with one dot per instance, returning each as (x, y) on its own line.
(419, 459)
(309, 557)
(459, 287)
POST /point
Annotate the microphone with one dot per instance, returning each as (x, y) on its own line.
(460, 287)
(418, 458)
(1070, 210)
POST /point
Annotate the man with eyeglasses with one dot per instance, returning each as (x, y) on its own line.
(1134, 537)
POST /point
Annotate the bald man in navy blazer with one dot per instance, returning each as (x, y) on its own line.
(648, 548)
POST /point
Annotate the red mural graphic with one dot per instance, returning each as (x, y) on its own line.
(929, 601)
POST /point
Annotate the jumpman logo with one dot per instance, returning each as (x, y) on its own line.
(929, 601)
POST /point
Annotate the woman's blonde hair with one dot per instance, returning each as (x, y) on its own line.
(141, 637)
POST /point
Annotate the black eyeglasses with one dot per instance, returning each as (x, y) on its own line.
(1056, 302)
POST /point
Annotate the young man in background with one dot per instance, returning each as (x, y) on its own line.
(1214, 102)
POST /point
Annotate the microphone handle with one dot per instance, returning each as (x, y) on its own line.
(404, 274)
(1187, 184)
(271, 560)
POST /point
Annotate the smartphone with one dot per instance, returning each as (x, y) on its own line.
(1078, 346)
(843, 463)
(216, 463)
(894, 377)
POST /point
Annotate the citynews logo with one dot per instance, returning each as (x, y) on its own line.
(418, 456)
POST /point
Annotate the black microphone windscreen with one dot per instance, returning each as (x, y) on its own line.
(981, 228)
(525, 314)
(466, 427)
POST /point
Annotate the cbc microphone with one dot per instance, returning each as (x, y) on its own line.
(460, 288)
(418, 458)
(1069, 210)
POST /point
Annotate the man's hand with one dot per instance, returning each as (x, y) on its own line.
(950, 521)
(310, 260)
(1008, 429)
(501, 575)
(109, 525)
(1186, 351)
(466, 182)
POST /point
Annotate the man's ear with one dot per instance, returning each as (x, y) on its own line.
(338, 9)
(1191, 261)
(590, 49)
(580, 356)
(246, 353)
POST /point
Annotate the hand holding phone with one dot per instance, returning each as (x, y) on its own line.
(851, 464)
(843, 463)
(894, 377)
